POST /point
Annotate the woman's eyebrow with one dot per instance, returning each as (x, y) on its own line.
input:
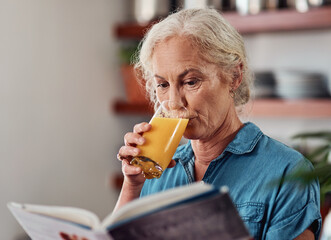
(183, 74)
(157, 76)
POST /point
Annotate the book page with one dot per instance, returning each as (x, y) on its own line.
(76, 215)
(153, 202)
(41, 227)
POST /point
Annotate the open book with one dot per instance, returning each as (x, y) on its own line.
(195, 211)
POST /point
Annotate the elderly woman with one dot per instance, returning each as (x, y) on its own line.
(196, 58)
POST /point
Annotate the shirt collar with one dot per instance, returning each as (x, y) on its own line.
(244, 142)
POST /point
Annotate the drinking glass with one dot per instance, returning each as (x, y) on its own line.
(168, 125)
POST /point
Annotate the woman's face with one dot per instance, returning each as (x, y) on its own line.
(182, 75)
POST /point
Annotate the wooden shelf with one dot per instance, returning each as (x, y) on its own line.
(131, 30)
(123, 107)
(306, 108)
(282, 20)
(267, 21)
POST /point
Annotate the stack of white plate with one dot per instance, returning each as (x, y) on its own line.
(300, 84)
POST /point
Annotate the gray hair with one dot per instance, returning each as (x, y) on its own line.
(214, 37)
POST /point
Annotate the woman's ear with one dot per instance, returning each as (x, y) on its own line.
(237, 77)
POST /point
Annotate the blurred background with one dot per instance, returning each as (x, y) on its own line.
(66, 104)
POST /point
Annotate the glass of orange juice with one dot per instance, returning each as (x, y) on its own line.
(168, 125)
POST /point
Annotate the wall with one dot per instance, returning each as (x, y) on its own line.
(58, 75)
(303, 50)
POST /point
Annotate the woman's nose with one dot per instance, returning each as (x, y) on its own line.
(174, 105)
(176, 99)
(175, 109)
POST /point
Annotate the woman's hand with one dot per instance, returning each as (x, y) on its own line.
(133, 177)
(132, 174)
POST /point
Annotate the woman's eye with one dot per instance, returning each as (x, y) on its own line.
(162, 85)
(192, 82)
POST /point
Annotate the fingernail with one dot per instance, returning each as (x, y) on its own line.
(136, 151)
(141, 140)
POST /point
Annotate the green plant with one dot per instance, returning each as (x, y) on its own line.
(320, 157)
(127, 51)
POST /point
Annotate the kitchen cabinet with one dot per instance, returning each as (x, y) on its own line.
(268, 21)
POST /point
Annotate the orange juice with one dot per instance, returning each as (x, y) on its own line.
(161, 143)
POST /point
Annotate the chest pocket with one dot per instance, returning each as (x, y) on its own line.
(252, 214)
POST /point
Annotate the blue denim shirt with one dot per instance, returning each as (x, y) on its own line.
(248, 167)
